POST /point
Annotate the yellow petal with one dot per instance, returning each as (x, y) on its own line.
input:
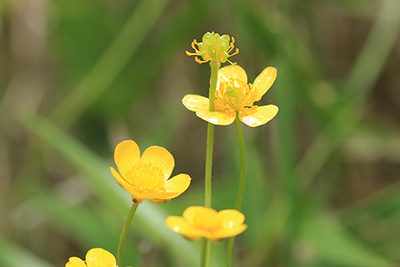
(181, 226)
(126, 155)
(231, 218)
(159, 197)
(224, 232)
(264, 81)
(160, 158)
(75, 262)
(263, 115)
(159, 201)
(216, 117)
(232, 71)
(178, 183)
(100, 257)
(232, 224)
(196, 103)
(124, 184)
(198, 215)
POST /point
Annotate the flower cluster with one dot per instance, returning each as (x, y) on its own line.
(147, 176)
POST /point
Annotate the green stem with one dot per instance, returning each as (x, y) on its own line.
(205, 253)
(210, 133)
(242, 151)
(206, 250)
(209, 156)
(242, 182)
(124, 233)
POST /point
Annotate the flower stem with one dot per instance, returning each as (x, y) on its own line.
(242, 182)
(210, 133)
(124, 233)
(206, 250)
(205, 253)
(242, 151)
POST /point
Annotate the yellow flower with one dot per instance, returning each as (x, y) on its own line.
(146, 177)
(96, 257)
(198, 222)
(234, 95)
(213, 48)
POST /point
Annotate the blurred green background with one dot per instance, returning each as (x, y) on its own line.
(79, 76)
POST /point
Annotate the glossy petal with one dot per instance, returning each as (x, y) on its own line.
(216, 117)
(196, 214)
(263, 115)
(181, 226)
(159, 196)
(196, 103)
(232, 71)
(232, 223)
(75, 262)
(224, 233)
(161, 158)
(205, 222)
(122, 182)
(177, 184)
(99, 257)
(231, 218)
(126, 155)
(264, 81)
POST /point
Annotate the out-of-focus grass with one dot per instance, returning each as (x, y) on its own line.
(323, 181)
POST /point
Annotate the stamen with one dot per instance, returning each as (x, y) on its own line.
(193, 45)
(232, 63)
(236, 52)
(191, 54)
(199, 61)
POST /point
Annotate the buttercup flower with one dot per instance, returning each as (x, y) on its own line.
(234, 95)
(198, 222)
(146, 177)
(213, 48)
(96, 257)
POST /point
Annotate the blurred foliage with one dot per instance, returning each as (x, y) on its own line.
(78, 77)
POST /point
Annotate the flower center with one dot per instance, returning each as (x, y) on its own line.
(234, 95)
(146, 178)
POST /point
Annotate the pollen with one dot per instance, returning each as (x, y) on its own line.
(146, 178)
(234, 95)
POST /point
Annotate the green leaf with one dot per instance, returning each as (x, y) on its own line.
(12, 255)
(337, 246)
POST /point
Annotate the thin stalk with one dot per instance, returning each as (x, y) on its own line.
(242, 182)
(124, 233)
(206, 250)
(205, 253)
(242, 151)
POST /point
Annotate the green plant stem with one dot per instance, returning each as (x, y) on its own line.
(209, 157)
(242, 182)
(124, 233)
(205, 253)
(242, 151)
(206, 250)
